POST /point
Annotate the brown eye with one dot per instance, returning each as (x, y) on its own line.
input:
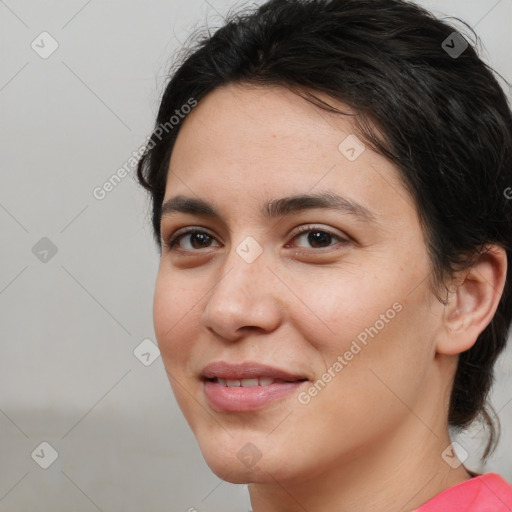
(191, 240)
(316, 238)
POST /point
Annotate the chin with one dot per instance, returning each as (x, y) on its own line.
(242, 465)
(239, 476)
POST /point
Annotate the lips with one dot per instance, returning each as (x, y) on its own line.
(247, 370)
(246, 386)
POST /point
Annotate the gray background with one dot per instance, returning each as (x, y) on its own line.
(70, 324)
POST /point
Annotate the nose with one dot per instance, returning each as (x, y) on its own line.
(244, 299)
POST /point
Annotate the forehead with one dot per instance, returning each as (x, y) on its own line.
(257, 143)
(254, 118)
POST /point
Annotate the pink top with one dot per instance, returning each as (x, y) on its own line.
(484, 493)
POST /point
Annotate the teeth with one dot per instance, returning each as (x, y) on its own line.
(245, 383)
(249, 383)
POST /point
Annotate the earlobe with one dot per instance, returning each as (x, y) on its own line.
(472, 301)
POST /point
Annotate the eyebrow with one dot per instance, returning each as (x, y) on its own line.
(275, 208)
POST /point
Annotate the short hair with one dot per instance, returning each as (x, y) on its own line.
(421, 98)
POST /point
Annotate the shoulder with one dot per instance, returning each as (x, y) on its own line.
(484, 493)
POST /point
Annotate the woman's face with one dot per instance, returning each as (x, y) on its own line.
(291, 351)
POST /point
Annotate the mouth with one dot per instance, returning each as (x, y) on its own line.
(247, 386)
(247, 383)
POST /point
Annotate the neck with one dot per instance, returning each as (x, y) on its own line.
(397, 474)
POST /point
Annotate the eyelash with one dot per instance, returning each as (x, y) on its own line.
(174, 239)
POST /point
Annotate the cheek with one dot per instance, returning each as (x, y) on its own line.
(337, 306)
(386, 355)
(174, 317)
(380, 379)
(372, 321)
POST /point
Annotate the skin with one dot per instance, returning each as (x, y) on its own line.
(379, 423)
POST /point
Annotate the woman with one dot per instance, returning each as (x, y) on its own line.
(329, 188)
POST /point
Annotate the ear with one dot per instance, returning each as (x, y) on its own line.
(471, 306)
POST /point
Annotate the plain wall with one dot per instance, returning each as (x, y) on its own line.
(69, 325)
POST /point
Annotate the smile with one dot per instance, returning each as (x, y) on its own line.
(246, 387)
